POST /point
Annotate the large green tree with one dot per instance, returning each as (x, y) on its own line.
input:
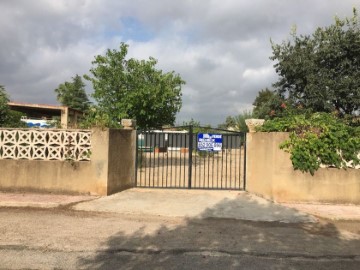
(72, 94)
(237, 122)
(131, 88)
(267, 104)
(4, 108)
(229, 123)
(321, 71)
(8, 118)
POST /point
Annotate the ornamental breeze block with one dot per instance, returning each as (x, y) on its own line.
(33, 144)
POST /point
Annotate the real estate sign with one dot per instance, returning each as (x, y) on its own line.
(209, 142)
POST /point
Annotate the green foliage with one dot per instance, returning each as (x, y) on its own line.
(229, 123)
(192, 122)
(321, 71)
(14, 120)
(197, 127)
(8, 118)
(317, 97)
(130, 88)
(95, 118)
(237, 122)
(318, 138)
(268, 104)
(73, 95)
(4, 109)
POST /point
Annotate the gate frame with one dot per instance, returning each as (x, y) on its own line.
(191, 148)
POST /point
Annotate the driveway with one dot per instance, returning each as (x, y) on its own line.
(185, 203)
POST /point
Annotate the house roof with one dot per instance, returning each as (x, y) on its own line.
(40, 110)
(32, 105)
(19, 105)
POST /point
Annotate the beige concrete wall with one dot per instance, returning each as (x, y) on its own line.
(122, 154)
(111, 168)
(271, 175)
(64, 117)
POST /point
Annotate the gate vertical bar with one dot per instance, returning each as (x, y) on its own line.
(154, 160)
(190, 155)
(148, 142)
(177, 160)
(185, 145)
(244, 136)
(240, 167)
(196, 164)
(167, 159)
(231, 158)
(137, 157)
(171, 158)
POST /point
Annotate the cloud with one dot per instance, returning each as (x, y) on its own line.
(256, 74)
(221, 49)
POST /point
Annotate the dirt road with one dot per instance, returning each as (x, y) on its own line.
(65, 239)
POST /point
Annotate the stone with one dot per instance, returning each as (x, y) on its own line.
(253, 123)
(128, 123)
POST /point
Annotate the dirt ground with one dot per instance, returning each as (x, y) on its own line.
(61, 238)
(35, 222)
(218, 170)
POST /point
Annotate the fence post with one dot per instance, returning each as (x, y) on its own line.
(245, 144)
(190, 155)
(137, 157)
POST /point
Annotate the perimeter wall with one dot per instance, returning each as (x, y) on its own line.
(269, 173)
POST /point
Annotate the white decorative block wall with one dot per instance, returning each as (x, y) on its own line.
(45, 144)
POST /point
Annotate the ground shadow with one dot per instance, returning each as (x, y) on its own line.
(205, 242)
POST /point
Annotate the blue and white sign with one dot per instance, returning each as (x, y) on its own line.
(209, 142)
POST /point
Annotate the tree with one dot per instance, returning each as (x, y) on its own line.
(265, 104)
(321, 71)
(73, 95)
(131, 88)
(8, 118)
(4, 108)
(228, 124)
(192, 122)
(197, 126)
(237, 122)
(239, 119)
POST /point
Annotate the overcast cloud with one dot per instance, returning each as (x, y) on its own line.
(220, 48)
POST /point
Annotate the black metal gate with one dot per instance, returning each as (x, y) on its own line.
(170, 158)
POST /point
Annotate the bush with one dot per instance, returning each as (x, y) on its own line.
(318, 138)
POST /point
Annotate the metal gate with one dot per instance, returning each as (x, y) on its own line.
(170, 158)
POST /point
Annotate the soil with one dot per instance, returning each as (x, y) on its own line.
(61, 238)
(216, 170)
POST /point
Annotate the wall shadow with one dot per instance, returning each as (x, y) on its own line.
(198, 243)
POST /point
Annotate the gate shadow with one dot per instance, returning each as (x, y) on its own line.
(205, 242)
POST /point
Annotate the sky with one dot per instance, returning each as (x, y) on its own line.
(220, 48)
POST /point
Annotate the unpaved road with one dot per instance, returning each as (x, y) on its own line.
(65, 239)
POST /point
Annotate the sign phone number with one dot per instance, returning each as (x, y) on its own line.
(209, 142)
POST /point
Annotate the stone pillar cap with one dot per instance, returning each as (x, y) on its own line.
(253, 123)
(128, 123)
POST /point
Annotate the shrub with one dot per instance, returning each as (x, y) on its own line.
(318, 138)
